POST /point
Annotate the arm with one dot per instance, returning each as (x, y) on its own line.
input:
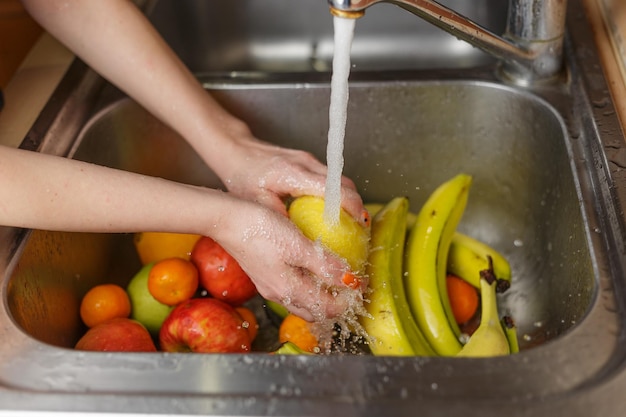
(47, 192)
(116, 40)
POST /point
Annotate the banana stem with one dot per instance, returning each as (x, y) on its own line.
(510, 330)
(488, 274)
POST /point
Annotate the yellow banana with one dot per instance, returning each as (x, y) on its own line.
(390, 325)
(426, 262)
(373, 208)
(489, 338)
(510, 330)
(468, 256)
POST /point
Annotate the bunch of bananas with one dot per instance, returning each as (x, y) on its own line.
(409, 312)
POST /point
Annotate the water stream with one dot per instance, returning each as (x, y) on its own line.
(337, 117)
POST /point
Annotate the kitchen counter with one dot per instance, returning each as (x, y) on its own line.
(608, 18)
(30, 88)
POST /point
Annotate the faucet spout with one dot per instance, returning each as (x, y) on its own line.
(530, 50)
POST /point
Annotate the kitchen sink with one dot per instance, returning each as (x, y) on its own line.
(548, 190)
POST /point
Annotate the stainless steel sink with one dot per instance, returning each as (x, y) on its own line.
(548, 191)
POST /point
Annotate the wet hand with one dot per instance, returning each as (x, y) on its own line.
(285, 266)
(268, 174)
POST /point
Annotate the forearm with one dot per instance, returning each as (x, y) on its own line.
(45, 192)
(115, 39)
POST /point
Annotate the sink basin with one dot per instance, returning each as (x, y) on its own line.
(548, 190)
(524, 201)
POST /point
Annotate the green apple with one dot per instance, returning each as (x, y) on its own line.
(144, 307)
(347, 239)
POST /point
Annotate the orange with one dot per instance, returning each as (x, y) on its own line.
(296, 330)
(464, 299)
(250, 321)
(104, 302)
(156, 246)
(173, 280)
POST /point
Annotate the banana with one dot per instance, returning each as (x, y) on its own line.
(510, 330)
(468, 256)
(489, 338)
(390, 326)
(426, 263)
(374, 208)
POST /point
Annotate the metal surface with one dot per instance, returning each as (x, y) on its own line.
(275, 36)
(531, 49)
(549, 190)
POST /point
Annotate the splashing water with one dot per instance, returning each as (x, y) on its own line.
(337, 117)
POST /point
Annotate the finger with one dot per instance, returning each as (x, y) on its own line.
(353, 204)
(272, 201)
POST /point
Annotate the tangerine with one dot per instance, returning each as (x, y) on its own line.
(250, 321)
(173, 280)
(464, 299)
(156, 246)
(104, 302)
(298, 331)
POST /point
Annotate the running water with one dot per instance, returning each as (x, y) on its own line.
(348, 324)
(337, 116)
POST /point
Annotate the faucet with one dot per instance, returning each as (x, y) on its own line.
(530, 51)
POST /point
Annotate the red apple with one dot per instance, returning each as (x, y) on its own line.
(220, 274)
(204, 325)
(117, 335)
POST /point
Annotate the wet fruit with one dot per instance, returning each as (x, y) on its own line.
(104, 302)
(348, 238)
(117, 335)
(464, 299)
(173, 280)
(145, 308)
(250, 321)
(204, 325)
(298, 331)
(156, 246)
(220, 273)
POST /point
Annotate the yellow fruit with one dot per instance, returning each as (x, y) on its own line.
(347, 239)
(156, 246)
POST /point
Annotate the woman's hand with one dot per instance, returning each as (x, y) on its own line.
(266, 173)
(284, 265)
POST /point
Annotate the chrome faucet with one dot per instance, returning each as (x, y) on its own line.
(531, 49)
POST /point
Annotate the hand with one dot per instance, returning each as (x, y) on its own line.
(285, 266)
(266, 173)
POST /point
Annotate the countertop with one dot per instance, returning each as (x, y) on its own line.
(608, 18)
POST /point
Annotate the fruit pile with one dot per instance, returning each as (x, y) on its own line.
(431, 290)
(427, 281)
(188, 297)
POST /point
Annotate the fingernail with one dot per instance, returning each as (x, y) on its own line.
(365, 215)
(351, 280)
